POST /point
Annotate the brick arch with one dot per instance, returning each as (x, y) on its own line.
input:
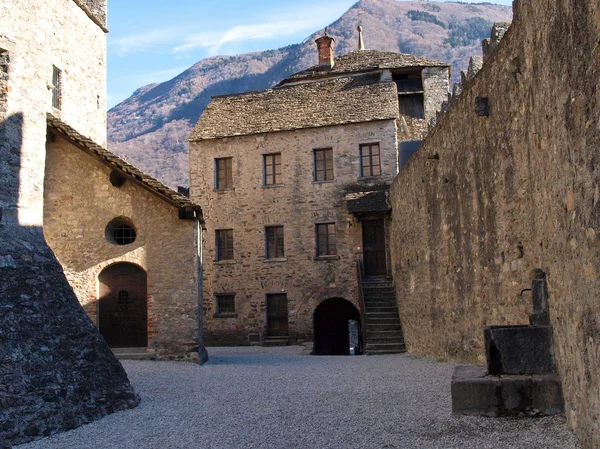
(331, 330)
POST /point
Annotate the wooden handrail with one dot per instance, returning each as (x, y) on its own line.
(361, 304)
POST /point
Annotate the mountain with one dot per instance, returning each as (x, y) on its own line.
(150, 128)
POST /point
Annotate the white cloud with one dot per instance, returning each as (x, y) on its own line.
(131, 43)
(282, 25)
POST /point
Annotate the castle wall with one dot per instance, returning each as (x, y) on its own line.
(79, 203)
(56, 372)
(297, 204)
(489, 198)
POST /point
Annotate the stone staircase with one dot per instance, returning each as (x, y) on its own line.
(383, 329)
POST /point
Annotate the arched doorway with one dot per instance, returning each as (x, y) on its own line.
(123, 314)
(332, 331)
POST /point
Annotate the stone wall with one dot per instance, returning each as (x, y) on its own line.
(489, 198)
(80, 201)
(297, 204)
(56, 372)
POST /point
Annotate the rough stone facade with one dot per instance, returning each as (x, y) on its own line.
(490, 197)
(297, 204)
(56, 372)
(79, 203)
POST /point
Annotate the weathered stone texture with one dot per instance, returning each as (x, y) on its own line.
(510, 192)
(79, 202)
(297, 204)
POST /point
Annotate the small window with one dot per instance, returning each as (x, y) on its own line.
(323, 160)
(272, 171)
(370, 160)
(123, 297)
(412, 106)
(326, 239)
(224, 173)
(274, 237)
(225, 304)
(121, 231)
(56, 87)
(224, 244)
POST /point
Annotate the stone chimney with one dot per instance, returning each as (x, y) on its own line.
(325, 45)
(361, 42)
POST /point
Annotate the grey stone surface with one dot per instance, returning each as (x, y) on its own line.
(276, 398)
(474, 393)
(519, 349)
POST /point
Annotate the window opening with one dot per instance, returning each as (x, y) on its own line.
(56, 87)
(224, 173)
(225, 303)
(274, 236)
(224, 244)
(326, 242)
(323, 160)
(272, 170)
(123, 297)
(370, 158)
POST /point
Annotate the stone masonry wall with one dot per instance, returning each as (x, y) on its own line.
(297, 204)
(80, 201)
(487, 199)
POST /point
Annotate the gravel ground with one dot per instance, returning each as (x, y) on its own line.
(276, 398)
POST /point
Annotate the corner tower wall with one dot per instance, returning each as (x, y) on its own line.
(489, 198)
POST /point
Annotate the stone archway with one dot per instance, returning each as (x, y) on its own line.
(331, 330)
(123, 306)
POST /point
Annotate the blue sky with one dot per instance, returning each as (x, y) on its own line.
(155, 40)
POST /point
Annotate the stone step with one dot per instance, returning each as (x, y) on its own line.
(381, 309)
(386, 346)
(134, 354)
(399, 350)
(371, 317)
(276, 341)
(397, 339)
(383, 334)
(383, 327)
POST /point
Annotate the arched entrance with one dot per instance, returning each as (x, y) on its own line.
(332, 331)
(123, 314)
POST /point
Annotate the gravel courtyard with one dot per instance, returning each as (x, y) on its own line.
(276, 398)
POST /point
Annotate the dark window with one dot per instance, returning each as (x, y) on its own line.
(224, 173)
(323, 164)
(274, 236)
(124, 234)
(56, 87)
(224, 242)
(326, 239)
(123, 297)
(412, 105)
(272, 174)
(226, 303)
(370, 160)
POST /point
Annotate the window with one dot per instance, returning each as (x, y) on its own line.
(272, 164)
(412, 106)
(123, 297)
(224, 173)
(326, 239)
(225, 304)
(274, 237)
(224, 243)
(323, 164)
(56, 87)
(370, 160)
(410, 94)
(120, 231)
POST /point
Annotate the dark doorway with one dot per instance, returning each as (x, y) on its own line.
(123, 314)
(277, 315)
(374, 247)
(331, 326)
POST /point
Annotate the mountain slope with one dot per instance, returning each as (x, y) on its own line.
(150, 128)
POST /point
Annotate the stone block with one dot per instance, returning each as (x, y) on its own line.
(519, 349)
(475, 393)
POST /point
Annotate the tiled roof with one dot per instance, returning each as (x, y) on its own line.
(365, 60)
(89, 146)
(337, 101)
(368, 200)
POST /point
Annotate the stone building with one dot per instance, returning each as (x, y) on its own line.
(129, 247)
(294, 183)
(56, 372)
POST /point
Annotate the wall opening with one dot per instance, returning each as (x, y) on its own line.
(332, 327)
(123, 308)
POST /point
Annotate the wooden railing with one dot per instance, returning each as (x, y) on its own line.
(361, 304)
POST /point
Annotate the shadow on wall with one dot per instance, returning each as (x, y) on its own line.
(59, 372)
